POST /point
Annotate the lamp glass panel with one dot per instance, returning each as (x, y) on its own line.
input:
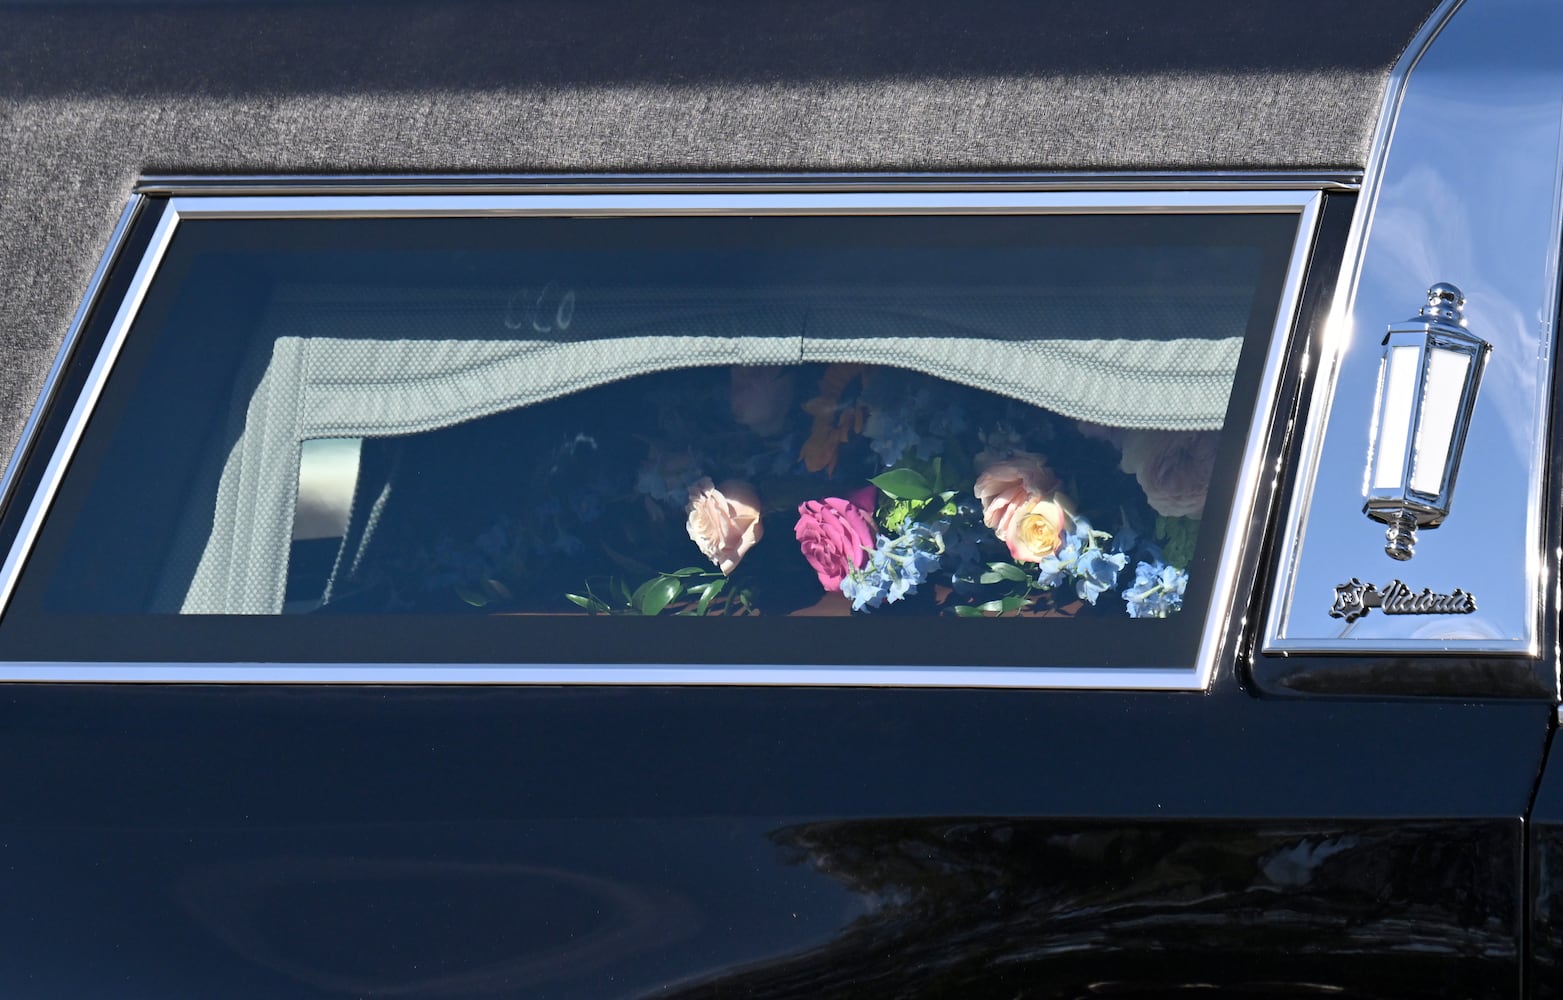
(1446, 371)
(1401, 368)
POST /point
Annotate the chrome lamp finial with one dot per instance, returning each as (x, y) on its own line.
(1428, 377)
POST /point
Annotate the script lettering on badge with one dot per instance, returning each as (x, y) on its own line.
(1355, 598)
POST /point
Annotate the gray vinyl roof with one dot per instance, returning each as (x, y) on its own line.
(95, 95)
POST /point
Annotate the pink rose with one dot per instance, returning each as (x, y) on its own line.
(836, 535)
(1173, 468)
(724, 521)
(1012, 486)
(761, 397)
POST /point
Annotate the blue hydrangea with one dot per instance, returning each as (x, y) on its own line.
(776, 457)
(890, 436)
(895, 567)
(1080, 558)
(667, 477)
(1157, 590)
(946, 421)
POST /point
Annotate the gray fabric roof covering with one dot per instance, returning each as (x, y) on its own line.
(94, 95)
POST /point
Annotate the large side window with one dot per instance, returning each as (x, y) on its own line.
(1008, 440)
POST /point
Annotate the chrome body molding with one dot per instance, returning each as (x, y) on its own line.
(1305, 204)
(638, 674)
(1463, 186)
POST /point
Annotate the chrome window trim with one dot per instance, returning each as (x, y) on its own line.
(1342, 180)
(1281, 634)
(1305, 204)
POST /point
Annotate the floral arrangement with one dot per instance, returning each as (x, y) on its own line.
(830, 489)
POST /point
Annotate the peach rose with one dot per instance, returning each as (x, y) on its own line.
(1011, 486)
(1036, 530)
(1173, 468)
(724, 521)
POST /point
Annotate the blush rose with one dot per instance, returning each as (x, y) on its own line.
(724, 521)
(836, 535)
(1172, 467)
(1009, 487)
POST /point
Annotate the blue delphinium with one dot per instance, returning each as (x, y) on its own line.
(1157, 590)
(909, 417)
(1082, 559)
(1096, 572)
(895, 567)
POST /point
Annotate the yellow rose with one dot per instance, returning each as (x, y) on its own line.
(1036, 531)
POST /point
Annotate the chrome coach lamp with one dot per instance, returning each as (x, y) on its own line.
(1427, 386)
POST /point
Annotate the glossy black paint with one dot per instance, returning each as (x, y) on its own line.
(328, 842)
(260, 842)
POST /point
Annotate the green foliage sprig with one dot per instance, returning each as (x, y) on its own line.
(693, 586)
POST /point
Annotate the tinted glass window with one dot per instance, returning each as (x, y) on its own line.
(974, 439)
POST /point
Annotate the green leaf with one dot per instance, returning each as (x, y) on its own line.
(1180, 535)
(471, 596)
(711, 590)
(689, 571)
(903, 484)
(1013, 602)
(655, 594)
(591, 604)
(938, 475)
(967, 611)
(1004, 571)
(937, 506)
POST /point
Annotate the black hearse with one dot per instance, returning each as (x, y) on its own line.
(592, 499)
